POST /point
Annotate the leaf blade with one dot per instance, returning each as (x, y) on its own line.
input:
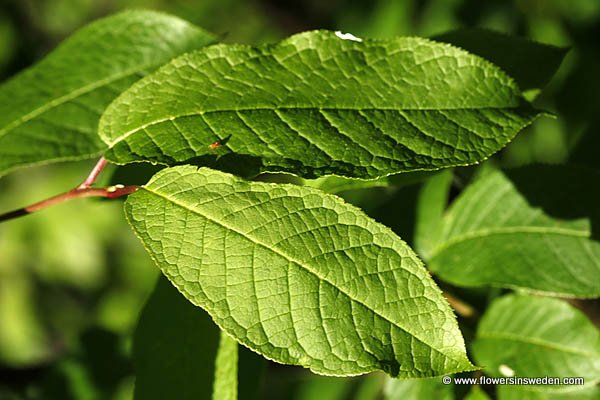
(50, 111)
(535, 337)
(285, 283)
(526, 222)
(315, 104)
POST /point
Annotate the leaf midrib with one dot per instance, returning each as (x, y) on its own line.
(298, 263)
(57, 101)
(484, 233)
(113, 142)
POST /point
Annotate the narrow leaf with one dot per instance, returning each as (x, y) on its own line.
(537, 337)
(316, 104)
(536, 229)
(337, 184)
(50, 112)
(297, 275)
(530, 63)
(174, 348)
(432, 202)
(226, 370)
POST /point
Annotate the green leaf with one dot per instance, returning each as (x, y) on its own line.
(338, 184)
(324, 387)
(432, 202)
(477, 393)
(536, 337)
(316, 104)
(530, 63)
(297, 275)
(174, 348)
(527, 393)
(370, 387)
(50, 112)
(226, 370)
(418, 389)
(536, 229)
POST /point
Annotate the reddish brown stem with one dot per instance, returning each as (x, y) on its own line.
(89, 181)
(83, 190)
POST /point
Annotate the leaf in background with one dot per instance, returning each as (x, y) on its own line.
(537, 337)
(476, 393)
(174, 348)
(530, 63)
(297, 275)
(432, 202)
(338, 184)
(418, 389)
(324, 387)
(585, 151)
(50, 111)
(536, 229)
(506, 392)
(316, 104)
(226, 373)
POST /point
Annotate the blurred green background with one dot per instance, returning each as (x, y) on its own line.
(74, 278)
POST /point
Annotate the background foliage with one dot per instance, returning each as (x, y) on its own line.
(73, 280)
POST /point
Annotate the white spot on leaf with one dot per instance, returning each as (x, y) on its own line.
(347, 36)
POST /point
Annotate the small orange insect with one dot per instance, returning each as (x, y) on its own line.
(215, 145)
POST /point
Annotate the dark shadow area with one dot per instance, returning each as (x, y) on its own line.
(561, 192)
(242, 165)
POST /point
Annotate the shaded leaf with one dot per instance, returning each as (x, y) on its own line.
(477, 393)
(324, 387)
(432, 202)
(50, 112)
(297, 275)
(524, 230)
(538, 337)
(316, 104)
(418, 389)
(527, 393)
(174, 348)
(338, 184)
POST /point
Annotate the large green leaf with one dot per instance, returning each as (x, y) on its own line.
(317, 104)
(50, 112)
(297, 275)
(537, 337)
(536, 228)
